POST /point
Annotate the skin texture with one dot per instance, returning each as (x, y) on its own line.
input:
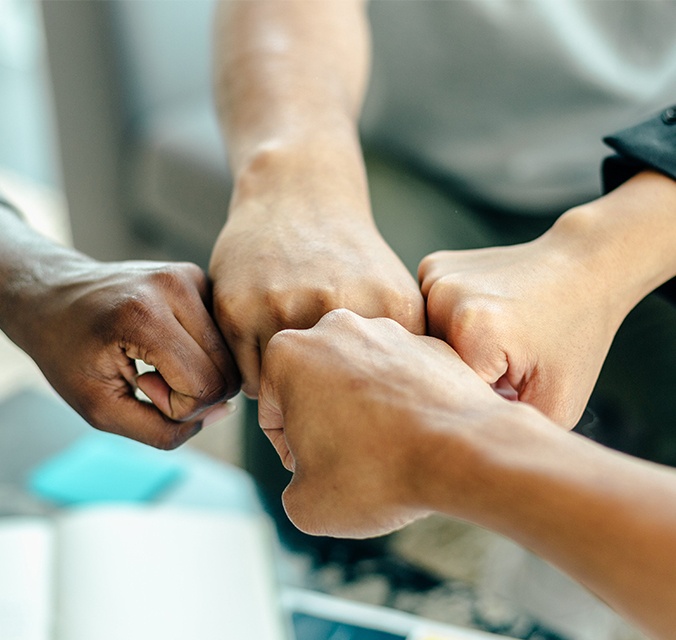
(539, 317)
(300, 238)
(535, 320)
(330, 399)
(381, 426)
(85, 322)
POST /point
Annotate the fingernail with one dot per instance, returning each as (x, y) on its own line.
(218, 413)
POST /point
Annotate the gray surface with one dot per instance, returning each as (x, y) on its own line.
(33, 426)
(178, 181)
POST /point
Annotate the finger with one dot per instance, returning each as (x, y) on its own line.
(186, 380)
(192, 312)
(271, 420)
(217, 414)
(143, 422)
(489, 364)
(429, 271)
(237, 326)
(470, 329)
(270, 412)
(504, 388)
(424, 277)
(164, 397)
(248, 358)
(440, 301)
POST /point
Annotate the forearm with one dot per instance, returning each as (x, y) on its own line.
(290, 79)
(29, 265)
(625, 242)
(604, 518)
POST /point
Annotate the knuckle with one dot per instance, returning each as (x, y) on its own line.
(233, 315)
(478, 334)
(327, 299)
(282, 345)
(424, 266)
(301, 309)
(448, 297)
(464, 317)
(250, 388)
(341, 317)
(134, 312)
(428, 264)
(479, 313)
(185, 281)
(285, 309)
(192, 272)
(183, 407)
(166, 277)
(470, 317)
(446, 287)
(214, 392)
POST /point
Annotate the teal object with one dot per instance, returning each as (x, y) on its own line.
(102, 467)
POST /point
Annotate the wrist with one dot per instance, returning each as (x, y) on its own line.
(297, 174)
(462, 469)
(624, 242)
(33, 275)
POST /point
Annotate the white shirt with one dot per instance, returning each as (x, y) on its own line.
(512, 97)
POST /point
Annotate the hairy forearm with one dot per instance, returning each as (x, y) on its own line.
(290, 80)
(604, 518)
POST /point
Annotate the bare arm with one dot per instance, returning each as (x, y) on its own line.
(291, 77)
(84, 322)
(300, 239)
(381, 427)
(606, 519)
(542, 315)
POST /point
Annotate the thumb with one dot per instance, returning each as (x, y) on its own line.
(271, 417)
(174, 404)
(487, 361)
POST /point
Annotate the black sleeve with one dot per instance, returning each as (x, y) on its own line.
(649, 145)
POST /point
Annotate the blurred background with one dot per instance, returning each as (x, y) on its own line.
(108, 137)
(110, 102)
(27, 135)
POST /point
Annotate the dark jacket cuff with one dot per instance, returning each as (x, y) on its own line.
(649, 145)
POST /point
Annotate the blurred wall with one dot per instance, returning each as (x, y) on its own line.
(27, 140)
(164, 52)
